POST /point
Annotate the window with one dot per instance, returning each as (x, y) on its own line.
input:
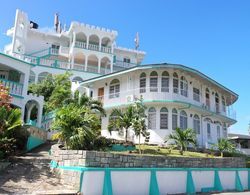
(126, 60)
(197, 124)
(196, 94)
(183, 120)
(223, 104)
(164, 118)
(152, 118)
(175, 83)
(143, 83)
(174, 119)
(114, 89)
(184, 86)
(225, 130)
(165, 82)
(209, 121)
(217, 103)
(207, 99)
(218, 132)
(153, 81)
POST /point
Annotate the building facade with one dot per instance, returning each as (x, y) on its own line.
(86, 51)
(175, 96)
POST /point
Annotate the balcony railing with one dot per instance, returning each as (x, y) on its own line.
(128, 96)
(124, 64)
(93, 47)
(14, 87)
(80, 44)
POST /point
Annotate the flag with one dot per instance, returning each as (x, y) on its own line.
(136, 40)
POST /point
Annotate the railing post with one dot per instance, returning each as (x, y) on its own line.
(38, 60)
(153, 188)
(190, 188)
(217, 183)
(107, 184)
(238, 184)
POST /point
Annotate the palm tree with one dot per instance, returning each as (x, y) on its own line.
(9, 119)
(83, 100)
(121, 119)
(183, 138)
(224, 145)
(75, 126)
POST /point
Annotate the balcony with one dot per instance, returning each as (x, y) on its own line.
(92, 47)
(154, 94)
(124, 64)
(14, 87)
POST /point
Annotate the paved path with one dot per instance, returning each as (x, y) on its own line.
(30, 174)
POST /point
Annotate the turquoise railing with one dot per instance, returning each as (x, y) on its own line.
(15, 88)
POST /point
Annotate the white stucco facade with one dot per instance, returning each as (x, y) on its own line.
(193, 100)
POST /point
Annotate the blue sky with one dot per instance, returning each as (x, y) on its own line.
(210, 35)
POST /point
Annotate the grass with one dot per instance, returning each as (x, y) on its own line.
(156, 151)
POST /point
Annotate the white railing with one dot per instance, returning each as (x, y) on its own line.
(92, 69)
(14, 87)
(47, 62)
(105, 71)
(151, 93)
(54, 51)
(80, 44)
(62, 64)
(64, 50)
(93, 47)
(106, 49)
(79, 66)
(124, 64)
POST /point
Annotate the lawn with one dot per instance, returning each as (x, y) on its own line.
(156, 150)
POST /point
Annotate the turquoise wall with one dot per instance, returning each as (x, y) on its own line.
(33, 142)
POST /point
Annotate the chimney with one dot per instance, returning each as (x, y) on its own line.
(56, 22)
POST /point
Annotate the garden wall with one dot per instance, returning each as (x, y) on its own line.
(115, 160)
(37, 137)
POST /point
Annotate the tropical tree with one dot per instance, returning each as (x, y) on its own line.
(183, 138)
(55, 89)
(139, 122)
(224, 145)
(95, 106)
(121, 119)
(5, 98)
(76, 126)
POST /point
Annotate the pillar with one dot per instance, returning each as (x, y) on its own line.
(86, 63)
(99, 65)
(39, 115)
(100, 44)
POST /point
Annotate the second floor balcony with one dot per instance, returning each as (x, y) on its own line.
(15, 88)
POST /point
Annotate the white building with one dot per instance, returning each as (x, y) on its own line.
(175, 95)
(86, 51)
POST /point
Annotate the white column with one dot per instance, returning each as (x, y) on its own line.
(36, 78)
(25, 83)
(39, 115)
(99, 65)
(86, 63)
(100, 44)
(111, 64)
(29, 109)
(23, 111)
(87, 44)
(171, 82)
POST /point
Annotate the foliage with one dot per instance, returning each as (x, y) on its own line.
(76, 126)
(5, 98)
(83, 100)
(7, 145)
(55, 89)
(9, 120)
(183, 138)
(224, 145)
(139, 121)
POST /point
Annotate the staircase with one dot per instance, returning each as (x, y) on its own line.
(30, 174)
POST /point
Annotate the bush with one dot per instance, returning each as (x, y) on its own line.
(102, 143)
(7, 146)
(21, 135)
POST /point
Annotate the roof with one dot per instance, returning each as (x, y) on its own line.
(163, 65)
(238, 136)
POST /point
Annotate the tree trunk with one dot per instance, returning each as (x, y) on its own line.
(126, 135)
(221, 154)
(140, 144)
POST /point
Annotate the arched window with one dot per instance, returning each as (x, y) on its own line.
(209, 121)
(184, 86)
(207, 99)
(183, 120)
(174, 119)
(114, 89)
(164, 118)
(223, 104)
(165, 82)
(224, 130)
(153, 82)
(218, 131)
(175, 83)
(152, 118)
(217, 103)
(197, 124)
(143, 82)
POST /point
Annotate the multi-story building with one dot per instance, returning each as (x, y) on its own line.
(86, 51)
(175, 95)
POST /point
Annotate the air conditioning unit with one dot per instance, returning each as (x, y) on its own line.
(130, 98)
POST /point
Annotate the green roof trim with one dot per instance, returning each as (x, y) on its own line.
(162, 65)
